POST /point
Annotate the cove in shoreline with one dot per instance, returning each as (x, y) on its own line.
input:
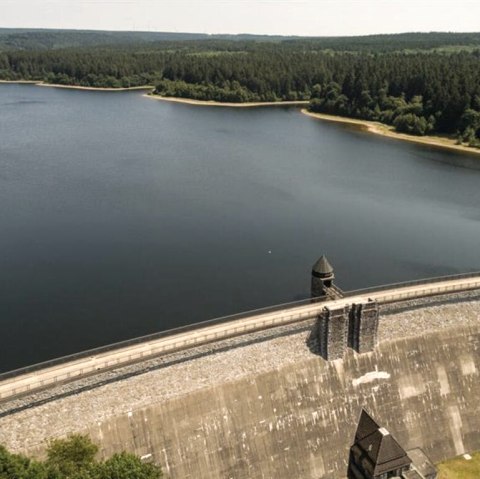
(385, 130)
(369, 126)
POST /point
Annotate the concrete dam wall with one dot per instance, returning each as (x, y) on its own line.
(274, 410)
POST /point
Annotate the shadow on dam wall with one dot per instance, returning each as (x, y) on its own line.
(299, 421)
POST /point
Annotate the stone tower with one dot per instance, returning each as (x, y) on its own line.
(333, 332)
(322, 277)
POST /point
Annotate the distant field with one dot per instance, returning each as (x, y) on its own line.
(212, 53)
(460, 468)
(445, 49)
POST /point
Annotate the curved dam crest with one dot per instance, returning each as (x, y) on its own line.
(272, 409)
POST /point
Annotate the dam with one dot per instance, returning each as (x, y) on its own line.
(252, 398)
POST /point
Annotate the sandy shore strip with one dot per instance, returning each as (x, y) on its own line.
(388, 131)
(190, 101)
(76, 87)
(91, 88)
(27, 82)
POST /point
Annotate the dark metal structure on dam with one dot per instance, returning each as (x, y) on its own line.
(352, 325)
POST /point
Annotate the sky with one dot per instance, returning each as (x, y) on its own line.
(284, 17)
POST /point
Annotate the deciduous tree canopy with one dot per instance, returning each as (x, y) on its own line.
(74, 458)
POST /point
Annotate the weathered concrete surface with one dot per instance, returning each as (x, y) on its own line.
(299, 422)
(216, 418)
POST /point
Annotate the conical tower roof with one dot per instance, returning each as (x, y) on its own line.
(322, 266)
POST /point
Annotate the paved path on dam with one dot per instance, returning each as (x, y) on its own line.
(97, 363)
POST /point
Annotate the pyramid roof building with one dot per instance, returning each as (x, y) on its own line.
(379, 450)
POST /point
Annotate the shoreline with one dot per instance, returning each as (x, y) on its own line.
(382, 129)
(374, 127)
(190, 101)
(94, 88)
(76, 87)
(19, 81)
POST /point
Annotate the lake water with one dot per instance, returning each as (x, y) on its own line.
(121, 215)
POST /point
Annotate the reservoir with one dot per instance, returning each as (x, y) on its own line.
(122, 216)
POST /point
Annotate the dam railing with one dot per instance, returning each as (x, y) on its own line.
(153, 336)
(415, 282)
(89, 362)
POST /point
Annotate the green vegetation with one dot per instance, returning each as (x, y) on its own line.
(419, 83)
(417, 94)
(47, 39)
(460, 468)
(74, 458)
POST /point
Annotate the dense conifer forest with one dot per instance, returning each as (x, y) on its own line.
(419, 83)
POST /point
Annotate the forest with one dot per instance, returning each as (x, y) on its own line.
(419, 83)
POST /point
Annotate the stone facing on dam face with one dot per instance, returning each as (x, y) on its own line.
(298, 421)
(272, 409)
(363, 326)
(333, 332)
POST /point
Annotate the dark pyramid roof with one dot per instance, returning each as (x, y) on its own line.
(322, 266)
(366, 426)
(382, 450)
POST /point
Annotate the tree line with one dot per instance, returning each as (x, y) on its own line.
(417, 94)
(48, 39)
(418, 91)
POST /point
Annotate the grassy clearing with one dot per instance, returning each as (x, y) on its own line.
(460, 468)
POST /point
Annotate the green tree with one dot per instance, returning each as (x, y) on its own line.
(128, 466)
(15, 466)
(71, 456)
(411, 123)
(74, 458)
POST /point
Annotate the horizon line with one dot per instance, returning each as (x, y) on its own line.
(235, 34)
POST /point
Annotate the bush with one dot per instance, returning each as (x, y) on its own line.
(412, 124)
(74, 458)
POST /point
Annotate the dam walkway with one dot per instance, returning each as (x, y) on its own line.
(70, 368)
